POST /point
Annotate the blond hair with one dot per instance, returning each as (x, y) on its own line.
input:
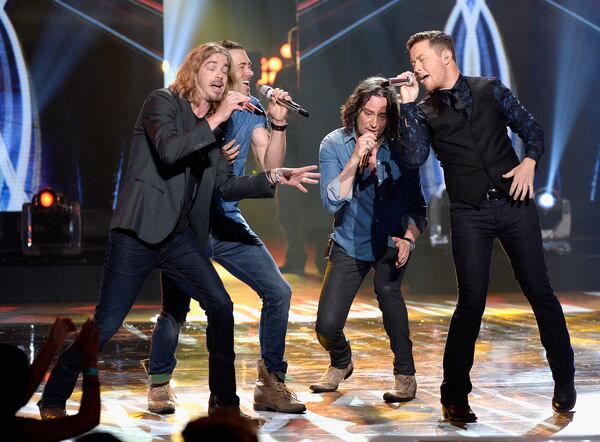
(185, 80)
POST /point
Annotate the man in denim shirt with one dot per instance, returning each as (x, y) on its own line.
(234, 245)
(379, 211)
(464, 119)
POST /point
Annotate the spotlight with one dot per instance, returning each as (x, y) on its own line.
(275, 64)
(269, 68)
(555, 214)
(286, 51)
(46, 198)
(50, 225)
(546, 200)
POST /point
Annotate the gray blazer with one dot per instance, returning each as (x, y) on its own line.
(167, 143)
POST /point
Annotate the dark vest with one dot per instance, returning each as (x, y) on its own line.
(473, 152)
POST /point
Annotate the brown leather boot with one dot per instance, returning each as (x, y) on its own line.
(271, 394)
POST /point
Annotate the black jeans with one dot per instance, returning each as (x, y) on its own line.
(517, 227)
(343, 278)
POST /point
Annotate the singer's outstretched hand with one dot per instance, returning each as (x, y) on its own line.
(276, 112)
(298, 176)
(408, 93)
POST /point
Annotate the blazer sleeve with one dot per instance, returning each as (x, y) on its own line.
(159, 119)
(234, 188)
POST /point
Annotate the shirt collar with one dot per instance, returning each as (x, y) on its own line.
(461, 85)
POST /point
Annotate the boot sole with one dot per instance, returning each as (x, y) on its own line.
(262, 407)
(465, 420)
(390, 398)
(165, 410)
(317, 389)
(565, 408)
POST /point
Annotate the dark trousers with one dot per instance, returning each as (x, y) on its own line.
(128, 263)
(517, 227)
(342, 280)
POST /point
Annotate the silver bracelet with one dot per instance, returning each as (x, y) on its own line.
(277, 178)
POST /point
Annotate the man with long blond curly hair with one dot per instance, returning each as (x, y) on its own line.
(163, 211)
(234, 245)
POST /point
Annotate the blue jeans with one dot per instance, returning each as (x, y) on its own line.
(517, 227)
(127, 264)
(251, 264)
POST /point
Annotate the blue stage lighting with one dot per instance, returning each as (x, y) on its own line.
(180, 29)
(578, 38)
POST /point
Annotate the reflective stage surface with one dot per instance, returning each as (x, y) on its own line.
(512, 382)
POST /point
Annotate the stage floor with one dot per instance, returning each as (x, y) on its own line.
(512, 382)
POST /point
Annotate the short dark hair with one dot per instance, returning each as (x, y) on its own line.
(435, 38)
(372, 87)
(230, 44)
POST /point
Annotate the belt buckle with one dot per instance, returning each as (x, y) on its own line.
(492, 194)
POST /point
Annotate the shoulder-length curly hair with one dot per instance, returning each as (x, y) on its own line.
(185, 83)
(366, 89)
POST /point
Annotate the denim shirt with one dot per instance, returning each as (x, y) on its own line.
(240, 126)
(416, 134)
(379, 206)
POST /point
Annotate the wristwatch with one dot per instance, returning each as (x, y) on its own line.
(278, 127)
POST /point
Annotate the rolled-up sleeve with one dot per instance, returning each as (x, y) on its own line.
(330, 168)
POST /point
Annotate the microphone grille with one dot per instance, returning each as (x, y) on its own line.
(266, 90)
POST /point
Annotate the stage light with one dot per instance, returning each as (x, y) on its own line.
(546, 200)
(286, 51)
(50, 225)
(165, 66)
(555, 218)
(46, 198)
(275, 64)
(573, 46)
(180, 32)
(269, 69)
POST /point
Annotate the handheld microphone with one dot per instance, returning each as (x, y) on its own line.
(365, 158)
(397, 81)
(251, 108)
(267, 91)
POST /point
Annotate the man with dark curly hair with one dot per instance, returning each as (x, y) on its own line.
(379, 212)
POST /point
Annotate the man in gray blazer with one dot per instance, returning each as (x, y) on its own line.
(163, 211)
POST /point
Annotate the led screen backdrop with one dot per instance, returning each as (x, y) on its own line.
(73, 75)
